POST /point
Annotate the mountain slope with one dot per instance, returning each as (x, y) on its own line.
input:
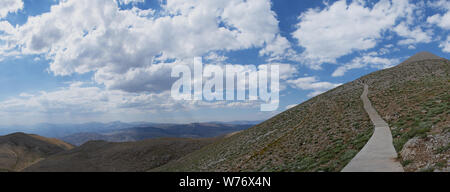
(127, 156)
(414, 99)
(19, 150)
(325, 132)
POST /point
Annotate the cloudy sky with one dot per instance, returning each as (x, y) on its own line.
(106, 60)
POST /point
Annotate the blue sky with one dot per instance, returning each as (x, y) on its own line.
(103, 60)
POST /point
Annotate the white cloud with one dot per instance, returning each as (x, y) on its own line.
(6, 27)
(130, 52)
(215, 58)
(6, 30)
(10, 6)
(366, 60)
(81, 100)
(439, 4)
(412, 36)
(442, 21)
(121, 96)
(278, 49)
(312, 83)
(290, 106)
(341, 28)
(445, 45)
(130, 1)
(80, 36)
(411, 47)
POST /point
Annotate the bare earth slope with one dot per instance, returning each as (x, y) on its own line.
(20, 150)
(128, 156)
(327, 131)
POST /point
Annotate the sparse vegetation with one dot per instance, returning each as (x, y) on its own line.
(416, 106)
(442, 149)
(406, 163)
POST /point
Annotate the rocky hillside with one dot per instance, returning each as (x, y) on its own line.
(414, 99)
(20, 150)
(325, 132)
(128, 156)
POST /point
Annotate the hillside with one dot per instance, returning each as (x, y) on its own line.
(19, 150)
(325, 132)
(193, 130)
(414, 99)
(128, 156)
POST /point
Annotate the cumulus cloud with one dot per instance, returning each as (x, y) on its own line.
(278, 49)
(364, 61)
(130, 52)
(445, 45)
(341, 28)
(10, 6)
(441, 20)
(80, 36)
(130, 1)
(412, 36)
(312, 83)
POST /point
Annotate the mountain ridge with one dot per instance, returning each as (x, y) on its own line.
(193, 130)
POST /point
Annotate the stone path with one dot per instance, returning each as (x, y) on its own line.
(378, 155)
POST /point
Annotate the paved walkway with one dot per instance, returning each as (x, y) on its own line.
(378, 155)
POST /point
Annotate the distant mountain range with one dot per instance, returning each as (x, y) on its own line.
(63, 130)
(193, 130)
